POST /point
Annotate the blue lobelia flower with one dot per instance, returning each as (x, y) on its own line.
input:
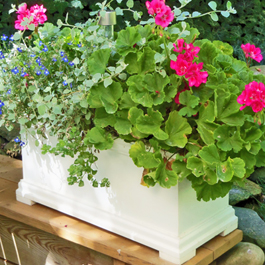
(71, 64)
(19, 49)
(15, 71)
(17, 140)
(45, 49)
(46, 72)
(4, 37)
(62, 54)
(38, 72)
(65, 83)
(65, 59)
(11, 37)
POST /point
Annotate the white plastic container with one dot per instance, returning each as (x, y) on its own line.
(171, 221)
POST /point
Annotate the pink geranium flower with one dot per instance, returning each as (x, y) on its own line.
(38, 14)
(180, 43)
(251, 51)
(163, 19)
(195, 76)
(253, 96)
(35, 15)
(181, 66)
(155, 7)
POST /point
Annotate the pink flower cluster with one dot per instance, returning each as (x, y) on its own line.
(185, 66)
(253, 96)
(36, 16)
(251, 51)
(162, 13)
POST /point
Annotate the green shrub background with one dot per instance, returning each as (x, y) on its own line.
(248, 25)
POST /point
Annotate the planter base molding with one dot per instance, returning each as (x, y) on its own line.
(171, 221)
(121, 250)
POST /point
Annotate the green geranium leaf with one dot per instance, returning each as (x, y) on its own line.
(126, 40)
(227, 109)
(134, 113)
(150, 122)
(207, 192)
(224, 47)
(207, 53)
(166, 178)
(106, 97)
(126, 101)
(97, 62)
(181, 169)
(160, 135)
(177, 127)
(99, 138)
(206, 126)
(141, 157)
(138, 91)
(190, 102)
(224, 170)
(238, 167)
(252, 134)
(210, 154)
(196, 166)
(228, 138)
(142, 62)
(249, 159)
(122, 125)
(103, 119)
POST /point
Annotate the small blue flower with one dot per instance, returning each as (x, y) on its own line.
(17, 140)
(15, 71)
(8, 91)
(69, 43)
(46, 72)
(2, 104)
(71, 85)
(62, 54)
(11, 37)
(32, 55)
(22, 144)
(54, 59)
(40, 43)
(24, 74)
(65, 59)
(19, 49)
(71, 64)
(2, 56)
(1, 112)
(38, 61)
(38, 73)
(65, 83)
(4, 37)
(79, 45)
(42, 67)
(45, 49)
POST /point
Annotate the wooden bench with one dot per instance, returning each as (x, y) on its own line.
(37, 235)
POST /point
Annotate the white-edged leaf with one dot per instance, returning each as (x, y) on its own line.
(212, 5)
(214, 17)
(225, 13)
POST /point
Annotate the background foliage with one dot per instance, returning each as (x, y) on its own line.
(248, 25)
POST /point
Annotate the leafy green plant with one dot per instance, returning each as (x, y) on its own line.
(88, 91)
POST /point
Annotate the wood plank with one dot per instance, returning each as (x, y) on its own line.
(219, 245)
(10, 169)
(37, 247)
(118, 262)
(203, 256)
(6, 262)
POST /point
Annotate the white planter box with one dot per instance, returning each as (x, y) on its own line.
(169, 220)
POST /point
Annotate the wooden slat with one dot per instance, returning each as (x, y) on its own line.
(203, 257)
(37, 247)
(219, 245)
(10, 169)
(118, 262)
(6, 262)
